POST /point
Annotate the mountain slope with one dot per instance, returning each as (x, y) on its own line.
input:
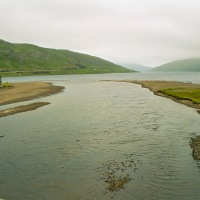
(186, 65)
(27, 58)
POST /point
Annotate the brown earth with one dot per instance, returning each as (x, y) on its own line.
(26, 91)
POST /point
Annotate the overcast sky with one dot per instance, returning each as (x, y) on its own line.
(147, 32)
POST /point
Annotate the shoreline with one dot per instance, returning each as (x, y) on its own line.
(156, 86)
(25, 91)
(24, 108)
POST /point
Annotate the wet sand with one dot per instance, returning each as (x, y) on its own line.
(20, 92)
(26, 91)
(19, 109)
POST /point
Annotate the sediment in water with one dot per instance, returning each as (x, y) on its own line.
(195, 145)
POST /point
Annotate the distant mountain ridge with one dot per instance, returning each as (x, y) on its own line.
(137, 67)
(28, 59)
(186, 65)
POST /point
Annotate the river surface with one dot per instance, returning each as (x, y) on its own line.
(68, 149)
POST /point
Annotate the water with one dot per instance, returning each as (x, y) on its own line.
(183, 77)
(64, 150)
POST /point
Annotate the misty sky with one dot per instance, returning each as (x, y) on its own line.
(147, 32)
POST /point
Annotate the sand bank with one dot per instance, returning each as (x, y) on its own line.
(27, 91)
(20, 92)
(19, 109)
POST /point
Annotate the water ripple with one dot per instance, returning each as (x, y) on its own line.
(55, 152)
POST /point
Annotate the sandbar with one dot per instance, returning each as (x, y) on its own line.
(25, 91)
(24, 108)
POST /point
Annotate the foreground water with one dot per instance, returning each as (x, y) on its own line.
(67, 149)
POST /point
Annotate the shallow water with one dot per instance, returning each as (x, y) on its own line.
(64, 150)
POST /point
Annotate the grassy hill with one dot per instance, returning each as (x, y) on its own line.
(186, 65)
(27, 59)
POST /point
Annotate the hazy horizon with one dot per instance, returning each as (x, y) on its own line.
(149, 33)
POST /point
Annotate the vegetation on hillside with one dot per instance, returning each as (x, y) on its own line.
(27, 59)
(186, 65)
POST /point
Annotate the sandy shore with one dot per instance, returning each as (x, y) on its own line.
(26, 91)
(20, 92)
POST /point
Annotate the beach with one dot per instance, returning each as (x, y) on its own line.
(25, 91)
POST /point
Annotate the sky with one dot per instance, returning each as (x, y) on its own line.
(146, 32)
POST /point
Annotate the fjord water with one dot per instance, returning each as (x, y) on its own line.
(60, 151)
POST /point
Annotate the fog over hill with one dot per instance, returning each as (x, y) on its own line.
(136, 67)
(185, 65)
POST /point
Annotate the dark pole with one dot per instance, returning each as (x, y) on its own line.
(0, 81)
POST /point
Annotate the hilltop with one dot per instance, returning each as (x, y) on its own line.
(186, 65)
(28, 59)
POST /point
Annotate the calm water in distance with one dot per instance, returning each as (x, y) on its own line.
(63, 150)
(193, 77)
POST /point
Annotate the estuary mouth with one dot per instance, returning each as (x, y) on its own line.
(101, 140)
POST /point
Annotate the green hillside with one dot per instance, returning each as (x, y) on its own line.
(27, 59)
(187, 65)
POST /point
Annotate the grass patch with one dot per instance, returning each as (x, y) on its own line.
(5, 85)
(192, 94)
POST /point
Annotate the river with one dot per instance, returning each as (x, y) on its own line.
(97, 131)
